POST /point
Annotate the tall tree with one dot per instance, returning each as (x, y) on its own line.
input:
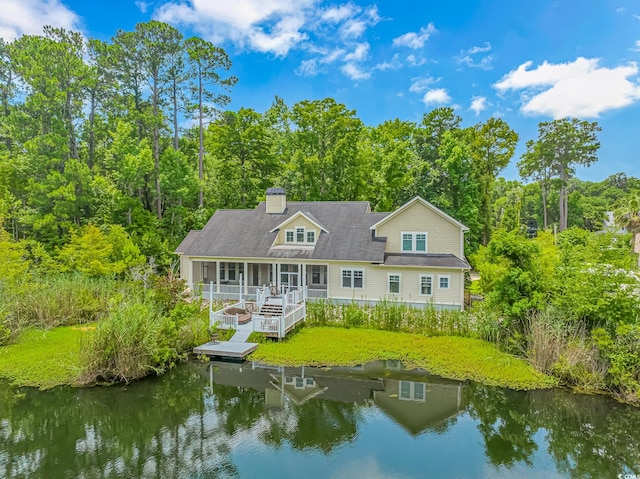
(536, 164)
(428, 138)
(567, 143)
(159, 42)
(492, 146)
(7, 90)
(243, 160)
(326, 160)
(52, 66)
(209, 89)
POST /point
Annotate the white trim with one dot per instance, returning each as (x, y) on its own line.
(414, 241)
(420, 293)
(296, 215)
(399, 275)
(293, 236)
(425, 203)
(353, 270)
(443, 276)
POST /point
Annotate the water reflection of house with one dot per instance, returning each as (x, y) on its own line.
(414, 399)
(418, 406)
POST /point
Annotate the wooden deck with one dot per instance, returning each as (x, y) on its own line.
(226, 349)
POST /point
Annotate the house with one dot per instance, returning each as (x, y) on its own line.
(338, 250)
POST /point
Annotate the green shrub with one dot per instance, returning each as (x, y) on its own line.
(622, 353)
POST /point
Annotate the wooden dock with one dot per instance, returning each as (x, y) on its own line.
(226, 349)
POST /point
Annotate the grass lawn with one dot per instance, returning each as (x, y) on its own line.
(43, 358)
(446, 356)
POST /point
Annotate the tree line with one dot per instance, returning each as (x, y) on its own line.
(90, 134)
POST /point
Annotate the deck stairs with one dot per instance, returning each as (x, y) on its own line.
(271, 309)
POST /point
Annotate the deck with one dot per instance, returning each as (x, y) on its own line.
(226, 349)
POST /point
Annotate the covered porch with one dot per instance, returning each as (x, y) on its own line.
(227, 280)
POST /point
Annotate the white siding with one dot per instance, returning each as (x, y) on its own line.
(444, 237)
(376, 284)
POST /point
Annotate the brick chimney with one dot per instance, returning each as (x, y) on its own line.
(276, 201)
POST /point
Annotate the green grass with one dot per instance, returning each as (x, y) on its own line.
(43, 358)
(446, 356)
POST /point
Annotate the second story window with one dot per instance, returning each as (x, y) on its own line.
(414, 242)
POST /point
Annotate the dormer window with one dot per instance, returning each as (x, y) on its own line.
(300, 236)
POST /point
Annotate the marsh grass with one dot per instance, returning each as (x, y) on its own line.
(447, 356)
(44, 358)
(390, 316)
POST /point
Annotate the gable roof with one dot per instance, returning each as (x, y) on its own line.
(304, 213)
(425, 203)
(251, 233)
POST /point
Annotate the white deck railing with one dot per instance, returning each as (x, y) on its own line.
(280, 324)
(225, 321)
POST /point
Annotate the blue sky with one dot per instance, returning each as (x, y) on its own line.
(523, 61)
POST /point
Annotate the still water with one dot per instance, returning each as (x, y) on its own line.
(209, 420)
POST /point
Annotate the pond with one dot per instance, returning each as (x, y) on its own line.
(209, 420)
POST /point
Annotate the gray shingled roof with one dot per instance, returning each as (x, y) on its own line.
(246, 233)
(429, 260)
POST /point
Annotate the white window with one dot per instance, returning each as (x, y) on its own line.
(426, 285)
(315, 274)
(414, 242)
(412, 391)
(353, 278)
(300, 235)
(289, 236)
(311, 236)
(394, 283)
(443, 282)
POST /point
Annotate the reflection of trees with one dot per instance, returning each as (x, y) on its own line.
(587, 436)
(150, 429)
(324, 424)
(505, 423)
(174, 427)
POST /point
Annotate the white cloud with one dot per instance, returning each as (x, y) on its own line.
(636, 48)
(478, 104)
(415, 40)
(142, 6)
(355, 72)
(620, 9)
(308, 68)
(473, 59)
(360, 53)
(27, 17)
(438, 96)
(355, 27)
(340, 13)
(581, 88)
(394, 64)
(421, 84)
(415, 62)
(267, 26)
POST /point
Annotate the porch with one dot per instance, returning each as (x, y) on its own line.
(227, 280)
(271, 311)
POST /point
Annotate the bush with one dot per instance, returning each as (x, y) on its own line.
(125, 346)
(622, 353)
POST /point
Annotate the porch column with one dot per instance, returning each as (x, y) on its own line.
(276, 275)
(246, 278)
(303, 281)
(218, 277)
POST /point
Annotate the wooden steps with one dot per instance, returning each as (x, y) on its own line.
(271, 309)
